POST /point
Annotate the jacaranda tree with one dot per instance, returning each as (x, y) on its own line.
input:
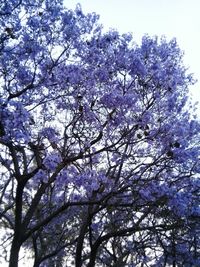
(99, 143)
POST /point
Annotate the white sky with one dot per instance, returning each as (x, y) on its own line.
(172, 18)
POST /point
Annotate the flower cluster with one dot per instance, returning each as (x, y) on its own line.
(99, 144)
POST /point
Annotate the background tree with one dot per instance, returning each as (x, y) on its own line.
(99, 143)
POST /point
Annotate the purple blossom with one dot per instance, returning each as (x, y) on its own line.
(52, 161)
(99, 144)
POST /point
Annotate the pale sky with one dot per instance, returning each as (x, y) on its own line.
(172, 18)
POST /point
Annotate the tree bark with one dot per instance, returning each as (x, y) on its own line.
(36, 263)
(14, 253)
(18, 231)
(79, 248)
(93, 255)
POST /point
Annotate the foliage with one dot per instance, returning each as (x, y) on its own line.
(99, 143)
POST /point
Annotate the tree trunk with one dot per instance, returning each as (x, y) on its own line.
(93, 255)
(14, 253)
(79, 247)
(18, 231)
(36, 263)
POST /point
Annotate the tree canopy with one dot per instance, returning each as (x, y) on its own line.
(99, 143)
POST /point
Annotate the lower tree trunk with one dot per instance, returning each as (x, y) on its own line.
(79, 247)
(93, 255)
(36, 264)
(14, 253)
(18, 230)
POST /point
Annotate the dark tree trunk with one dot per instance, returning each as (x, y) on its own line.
(18, 231)
(14, 253)
(79, 247)
(36, 263)
(93, 255)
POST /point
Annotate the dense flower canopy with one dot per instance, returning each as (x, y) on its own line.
(99, 143)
